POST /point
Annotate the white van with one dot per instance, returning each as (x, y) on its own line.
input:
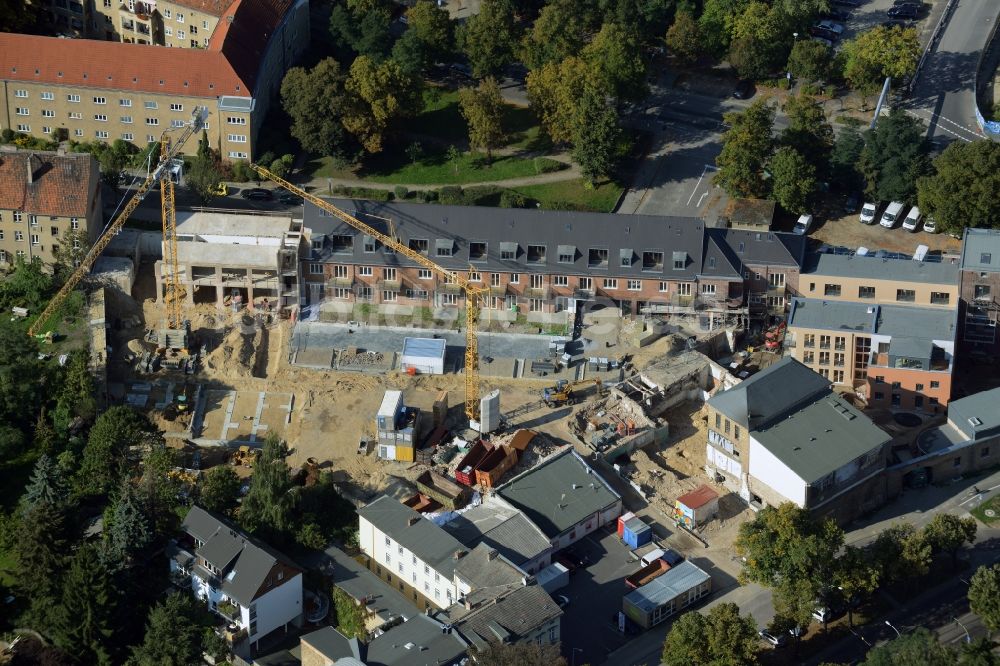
(868, 213)
(891, 215)
(912, 221)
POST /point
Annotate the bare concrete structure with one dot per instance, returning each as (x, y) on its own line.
(238, 259)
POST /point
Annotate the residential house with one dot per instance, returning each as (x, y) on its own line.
(785, 436)
(423, 640)
(89, 90)
(239, 577)
(176, 23)
(563, 496)
(508, 531)
(524, 614)
(47, 199)
(980, 290)
(545, 264)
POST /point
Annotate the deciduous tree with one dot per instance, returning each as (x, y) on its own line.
(203, 178)
(757, 47)
(482, 109)
(948, 533)
(555, 91)
(267, 508)
(489, 38)
(877, 53)
(845, 156)
(365, 28)
(559, 31)
(900, 552)
(597, 137)
(722, 636)
(957, 194)
(919, 647)
(984, 595)
(746, 146)
(684, 39)
(856, 576)
(315, 102)
(809, 60)
(379, 95)
(894, 157)
(220, 490)
(793, 180)
(432, 27)
(808, 131)
(616, 56)
(716, 24)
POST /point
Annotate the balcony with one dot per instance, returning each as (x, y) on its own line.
(228, 610)
(142, 29)
(128, 25)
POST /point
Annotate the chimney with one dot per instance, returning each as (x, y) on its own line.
(459, 554)
(492, 555)
(412, 520)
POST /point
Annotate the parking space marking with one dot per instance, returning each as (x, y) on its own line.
(698, 184)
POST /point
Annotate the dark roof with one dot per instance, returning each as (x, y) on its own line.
(508, 530)
(514, 616)
(332, 644)
(977, 416)
(354, 578)
(245, 563)
(560, 232)
(59, 185)
(559, 493)
(484, 567)
(881, 268)
(420, 641)
(770, 393)
(418, 535)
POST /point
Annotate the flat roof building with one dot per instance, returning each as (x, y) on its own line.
(667, 594)
(980, 290)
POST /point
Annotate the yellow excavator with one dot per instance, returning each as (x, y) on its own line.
(566, 392)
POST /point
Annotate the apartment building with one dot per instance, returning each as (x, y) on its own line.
(47, 199)
(894, 356)
(89, 90)
(784, 435)
(980, 290)
(546, 264)
(174, 23)
(880, 280)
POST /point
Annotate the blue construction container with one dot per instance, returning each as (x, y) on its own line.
(636, 533)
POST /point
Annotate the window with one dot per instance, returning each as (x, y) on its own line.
(194, 31)
(35, 239)
(75, 115)
(866, 292)
(475, 276)
(389, 274)
(27, 128)
(535, 281)
(238, 155)
(880, 379)
(424, 274)
(838, 376)
(78, 132)
(365, 271)
(237, 138)
(610, 283)
(956, 462)
(339, 271)
(21, 93)
(46, 129)
(935, 384)
(495, 279)
(597, 257)
(73, 98)
(152, 121)
(22, 111)
(101, 117)
(168, 31)
(708, 289)
(776, 279)
(176, 107)
(18, 216)
(838, 359)
(236, 120)
(940, 298)
(48, 96)
(984, 452)
(634, 285)
(736, 431)
(127, 120)
(652, 261)
(48, 113)
(389, 296)
(536, 254)
(535, 304)
(444, 248)
(831, 290)
(981, 292)
(684, 289)
(477, 251)
(166, 13)
(315, 269)
(985, 258)
(664, 286)
(560, 281)
(919, 387)
(19, 236)
(180, 17)
(824, 358)
(808, 357)
(906, 295)
(151, 105)
(896, 385)
(101, 134)
(100, 100)
(125, 102)
(824, 342)
(515, 278)
(181, 35)
(727, 426)
(878, 395)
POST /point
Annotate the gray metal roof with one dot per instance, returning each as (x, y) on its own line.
(821, 437)
(515, 615)
(485, 567)
(981, 250)
(770, 393)
(923, 323)
(420, 641)
(352, 577)
(424, 347)
(881, 268)
(832, 315)
(332, 644)
(670, 585)
(512, 229)
(507, 530)
(559, 493)
(978, 415)
(249, 561)
(423, 538)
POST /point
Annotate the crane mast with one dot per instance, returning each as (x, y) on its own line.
(473, 292)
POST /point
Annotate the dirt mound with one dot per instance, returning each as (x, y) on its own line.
(238, 354)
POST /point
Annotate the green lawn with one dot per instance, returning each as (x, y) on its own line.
(992, 504)
(436, 169)
(441, 117)
(574, 194)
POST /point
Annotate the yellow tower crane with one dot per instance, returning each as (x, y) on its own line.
(162, 173)
(473, 292)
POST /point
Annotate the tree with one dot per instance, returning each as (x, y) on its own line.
(220, 490)
(746, 146)
(266, 511)
(114, 159)
(894, 157)
(69, 253)
(75, 397)
(46, 440)
(757, 47)
(39, 549)
(900, 552)
(559, 31)
(555, 91)
(518, 654)
(378, 96)
(845, 156)
(47, 485)
(615, 54)
(19, 15)
(432, 27)
(409, 53)
(314, 100)
(173, 635)
(919, 647)
(84, 625)
(366, 29)
(716, 24)
(489, 38)
(794, 602)
(722, 636)
(482, 109)
(204, 146)
(948, 533)
(684, 40)
(597, 137)
(956, 193)
(105, 456)
(809, 60)
(793, 180)
(808, 131)
(856, 576)
(877, 53)
(126, 530)
(978, 653)
(203, 178)
(984, 595)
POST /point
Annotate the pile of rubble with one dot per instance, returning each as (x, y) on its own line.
(355, 356)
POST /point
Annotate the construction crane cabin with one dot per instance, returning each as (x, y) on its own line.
(474, 293)
(173, 334)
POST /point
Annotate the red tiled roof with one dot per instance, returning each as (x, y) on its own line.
(60, 185)
(118, 66)
(698, 497)
(244, 40)
(211, 7)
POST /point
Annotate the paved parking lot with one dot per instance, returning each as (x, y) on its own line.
(595, 595)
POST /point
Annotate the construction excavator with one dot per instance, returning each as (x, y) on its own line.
(567, 393)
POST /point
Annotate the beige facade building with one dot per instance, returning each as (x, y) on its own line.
(47, 199)
(90, 90)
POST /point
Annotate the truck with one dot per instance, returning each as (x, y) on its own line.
(565, 392)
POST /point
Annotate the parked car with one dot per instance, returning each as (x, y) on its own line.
(891, 215)
(868, 213)
(803, 225)
(744, 90)
(290, 199)
(930, 226)
(776, 640)
(912, 221)
(904, 11)
(851, 205)
(819, 32)
(256, 194)
(832, 26)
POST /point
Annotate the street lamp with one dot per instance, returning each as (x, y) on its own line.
(968, 638)
(889, 624)
(795, 36)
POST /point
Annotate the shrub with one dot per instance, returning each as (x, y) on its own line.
(400, 191)
(363, 193)
(451, 195)
(430, 196)
(512, 199)
(242, 172)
